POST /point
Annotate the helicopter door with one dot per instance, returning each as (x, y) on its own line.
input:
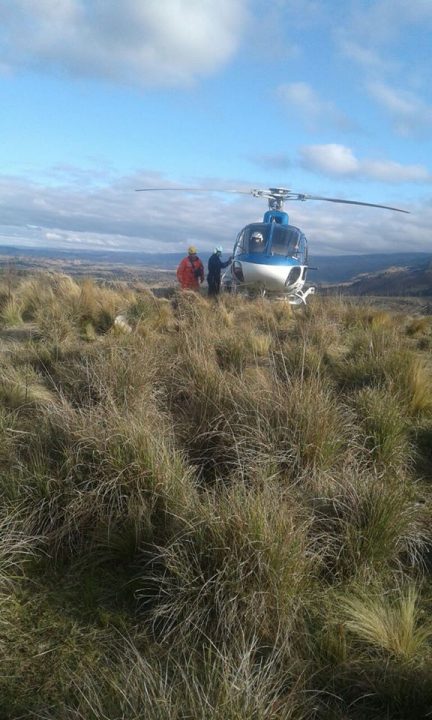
(239, 244)
(302, 252)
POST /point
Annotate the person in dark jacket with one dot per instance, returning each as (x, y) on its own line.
(215, 265)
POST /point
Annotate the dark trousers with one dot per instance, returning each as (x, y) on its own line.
(213, 285)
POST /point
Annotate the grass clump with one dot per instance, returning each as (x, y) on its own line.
(23, 387)
(11, 313)
(418, 326)
(385, 428)
(389, 624)
(240, 565)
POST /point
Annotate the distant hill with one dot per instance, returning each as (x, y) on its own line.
(330, 269)
(413, 281)
(120, 257)
(345, 268)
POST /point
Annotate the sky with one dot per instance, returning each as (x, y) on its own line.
(325, 97)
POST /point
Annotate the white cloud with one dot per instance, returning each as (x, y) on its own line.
(337, 229)
(389, 40)
(336, 160)
(329, 159)
(409, 113)
(148, 43)
(301, 98)
(366, 57)
(393, 172)
(114, 217)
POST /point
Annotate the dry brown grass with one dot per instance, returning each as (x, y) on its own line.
(235, 487)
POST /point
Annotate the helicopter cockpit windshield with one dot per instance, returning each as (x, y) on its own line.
(252, 239)
(287, 241)
(280, 240)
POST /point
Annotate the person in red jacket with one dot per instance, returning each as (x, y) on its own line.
(190, 272)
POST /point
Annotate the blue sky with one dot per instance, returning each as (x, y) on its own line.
(325, 97)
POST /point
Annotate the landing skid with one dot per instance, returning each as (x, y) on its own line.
(294, 298)
(299, 297)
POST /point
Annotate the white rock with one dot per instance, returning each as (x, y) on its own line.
(121, 323)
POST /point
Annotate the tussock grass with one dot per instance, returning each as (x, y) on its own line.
(382, 528)
(23, 387)
(99, 306)
(260, 344)
(227, 684)
(240, 565)
(377, 645)
(414, 386)
(149, 314)
(418, 326)
(62, 308)
(17, 547)
(54, 324)
(109, 484)
(11, 312)
(368, 526)
(372, 357)
(223, 513)
(390, 624)
(385, 428)
(318, 426)
(43, 290)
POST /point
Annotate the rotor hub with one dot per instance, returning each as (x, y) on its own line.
(275, 196)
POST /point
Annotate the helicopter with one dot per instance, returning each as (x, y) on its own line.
(272, 256)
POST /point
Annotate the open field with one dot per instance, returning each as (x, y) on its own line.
(12, 268)
(217, 510)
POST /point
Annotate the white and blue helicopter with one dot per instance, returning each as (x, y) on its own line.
(271, 256)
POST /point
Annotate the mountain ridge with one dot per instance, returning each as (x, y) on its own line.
(327, 269)
(414, 281)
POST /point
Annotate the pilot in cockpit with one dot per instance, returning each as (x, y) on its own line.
(256, 242)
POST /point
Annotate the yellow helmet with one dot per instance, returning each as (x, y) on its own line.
(192, 250)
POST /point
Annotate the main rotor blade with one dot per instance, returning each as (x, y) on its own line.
(204, 190)
(350, 202)
(278, 194)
